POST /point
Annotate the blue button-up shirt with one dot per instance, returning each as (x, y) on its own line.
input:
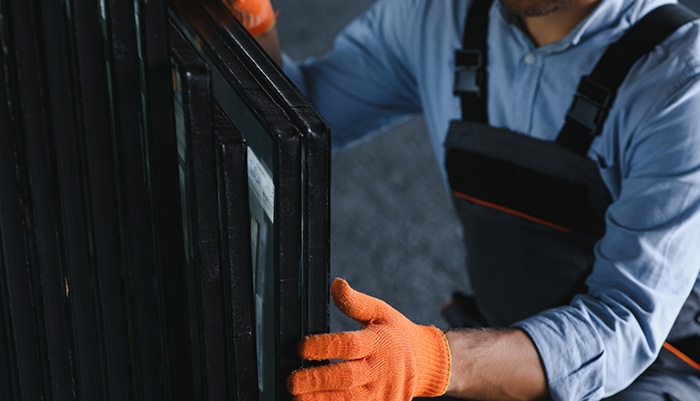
(398, 59)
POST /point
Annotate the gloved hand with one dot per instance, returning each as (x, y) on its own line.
(390, 359)
(255, 15)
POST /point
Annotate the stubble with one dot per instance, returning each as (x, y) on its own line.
(535, 8)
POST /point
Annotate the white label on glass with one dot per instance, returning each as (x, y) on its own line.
(261, 183)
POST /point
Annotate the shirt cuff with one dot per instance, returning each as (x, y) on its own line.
(572, 353)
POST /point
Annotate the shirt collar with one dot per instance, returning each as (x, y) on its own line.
(608, 14)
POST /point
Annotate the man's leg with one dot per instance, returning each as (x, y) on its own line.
(668, 379)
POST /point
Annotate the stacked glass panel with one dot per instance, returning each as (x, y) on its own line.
(164, 206)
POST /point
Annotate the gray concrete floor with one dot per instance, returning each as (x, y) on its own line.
(394, 232)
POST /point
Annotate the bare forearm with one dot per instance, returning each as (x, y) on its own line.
(495, 365)
(270, 41)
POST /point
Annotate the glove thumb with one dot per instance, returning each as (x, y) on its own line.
(356, 305)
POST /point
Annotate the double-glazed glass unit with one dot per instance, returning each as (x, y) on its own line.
(82, 317)
(164, 208)
(287, 145)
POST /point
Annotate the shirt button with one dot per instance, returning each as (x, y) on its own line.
(697, 318)
(530, 59)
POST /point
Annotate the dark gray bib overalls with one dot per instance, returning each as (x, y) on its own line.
(533, 210)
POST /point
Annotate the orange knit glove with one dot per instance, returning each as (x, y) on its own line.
(390, 359)
(255, 15)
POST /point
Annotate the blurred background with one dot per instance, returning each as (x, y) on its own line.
(394, 233)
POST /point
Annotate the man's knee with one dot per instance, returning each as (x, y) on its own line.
(662, 384)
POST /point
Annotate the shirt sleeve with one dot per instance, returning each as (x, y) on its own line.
(646, 265)
(366, 81)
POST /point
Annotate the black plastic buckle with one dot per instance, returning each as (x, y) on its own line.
(591, 105)
(468, 73)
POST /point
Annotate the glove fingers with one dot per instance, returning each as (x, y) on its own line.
(346, 345)
(357, 305)
(353, 394)
(257, 16)
(328, 378)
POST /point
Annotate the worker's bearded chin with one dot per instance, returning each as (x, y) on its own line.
(535, 8)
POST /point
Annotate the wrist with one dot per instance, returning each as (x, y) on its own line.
(433, 365)
(495, 364)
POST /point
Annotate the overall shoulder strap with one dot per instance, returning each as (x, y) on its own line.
(471, 61)
(596, 92)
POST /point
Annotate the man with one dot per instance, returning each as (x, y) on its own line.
(630, 282)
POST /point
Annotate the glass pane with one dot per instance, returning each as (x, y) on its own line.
(236, 232)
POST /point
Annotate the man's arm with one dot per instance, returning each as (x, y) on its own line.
(367, 80)
(495, 365)
(393, 359)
